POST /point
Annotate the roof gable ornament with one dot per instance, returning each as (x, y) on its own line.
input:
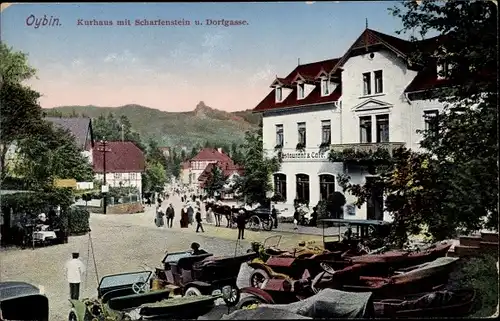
(298, 78)
(372, 104)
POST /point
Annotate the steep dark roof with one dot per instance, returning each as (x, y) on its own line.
(121, 157)
(80, 128)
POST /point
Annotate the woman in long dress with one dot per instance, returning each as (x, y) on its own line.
(209, 215)
(184, 218)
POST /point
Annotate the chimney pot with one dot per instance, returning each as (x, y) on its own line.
(219, 149)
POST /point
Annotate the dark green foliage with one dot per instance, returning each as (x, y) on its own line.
(78, 220)
(256, 181)
(48, 155)
(215, 182)
(479, 273)
(112, 128)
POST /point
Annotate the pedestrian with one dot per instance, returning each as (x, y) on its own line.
(274, 216)
(74, 271)
(160, 221)
(240, 223)
(198, 221)
(209, 215)
(170, 215)
(296, 218)
(184, 218)
(314, 217)
(190, 213)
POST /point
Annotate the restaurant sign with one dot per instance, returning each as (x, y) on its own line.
(303, 156)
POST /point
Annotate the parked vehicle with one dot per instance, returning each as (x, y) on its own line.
(22, 301)
(203, 274)
(330, 304)
(409, 280)
(438, 304)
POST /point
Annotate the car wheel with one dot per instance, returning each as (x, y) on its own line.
(231, 295)
(249, 301)
(72, 316)
(192, 291)
(258, 278)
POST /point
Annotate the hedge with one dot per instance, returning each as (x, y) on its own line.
(78, 219)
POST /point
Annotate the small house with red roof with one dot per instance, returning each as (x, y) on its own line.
(368, 98)
(125, 162)
(200, 167)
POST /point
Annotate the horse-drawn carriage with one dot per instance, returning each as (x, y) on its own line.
(255, 219)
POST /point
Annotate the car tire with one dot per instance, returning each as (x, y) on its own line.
(247, 301)
(258, 277)
(72, 316)
(192, 291)
(234, 297)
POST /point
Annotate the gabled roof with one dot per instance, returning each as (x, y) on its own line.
(80, 128)
(211, 154)
(121, 157)
(280, 82)
(400, 47)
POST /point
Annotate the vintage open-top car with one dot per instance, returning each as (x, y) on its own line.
(128, 296)
(22, 301)
(203, 274)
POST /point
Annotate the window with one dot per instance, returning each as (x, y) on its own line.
(302, 188)
(382, 128)
(280, 186)
(365, 127)
(279, 93)
(367, 84)
(133, 176)
(325, 90)
(301, 91)
(443, 70)
(326, 186)
(431, 120)
(379, 87)
(302, 133)
(326, 132)
(117, 176)
(279, 136)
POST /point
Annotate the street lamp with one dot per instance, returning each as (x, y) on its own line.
(104, 188)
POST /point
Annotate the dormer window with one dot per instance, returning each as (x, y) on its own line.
(300, 91)
(325, 89)
(279, 94)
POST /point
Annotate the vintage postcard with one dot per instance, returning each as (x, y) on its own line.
(196, 160)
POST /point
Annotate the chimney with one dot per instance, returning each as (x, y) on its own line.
(219, 150)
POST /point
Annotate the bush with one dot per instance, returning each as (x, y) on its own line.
(78, 220)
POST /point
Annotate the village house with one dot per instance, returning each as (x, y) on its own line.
(372, 97)
(197, 169)
(125, 163)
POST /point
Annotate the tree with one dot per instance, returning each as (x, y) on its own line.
(215, 181)
(453, 184)
(156, 177)
(256, 180)
(20, 113)
(110, 128)
(51, 154)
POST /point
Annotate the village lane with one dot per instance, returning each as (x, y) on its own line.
(121, 243)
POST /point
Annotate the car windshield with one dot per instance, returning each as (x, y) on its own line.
(124, 279)
(175, 257)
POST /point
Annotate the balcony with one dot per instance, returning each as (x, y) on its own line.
(366, 147)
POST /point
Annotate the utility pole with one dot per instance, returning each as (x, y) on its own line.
(123, 135)
(105, 187)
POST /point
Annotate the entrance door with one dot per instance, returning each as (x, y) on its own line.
(375, 204)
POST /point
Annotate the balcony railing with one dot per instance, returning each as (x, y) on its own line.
(366, 147)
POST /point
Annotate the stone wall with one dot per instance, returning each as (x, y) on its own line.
(128, 208)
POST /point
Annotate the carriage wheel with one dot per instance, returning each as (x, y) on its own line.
(254, 223)
(268, 223)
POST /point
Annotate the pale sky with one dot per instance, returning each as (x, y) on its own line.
(172, 68)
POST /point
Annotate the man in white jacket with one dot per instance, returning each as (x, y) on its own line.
(74, 271)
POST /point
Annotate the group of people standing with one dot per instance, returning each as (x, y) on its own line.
(189, 214)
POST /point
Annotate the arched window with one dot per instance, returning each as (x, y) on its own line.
(303, 187)
(326, 186)
(280, 186)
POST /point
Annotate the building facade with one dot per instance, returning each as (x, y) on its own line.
(372, 97)
(125, 163)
